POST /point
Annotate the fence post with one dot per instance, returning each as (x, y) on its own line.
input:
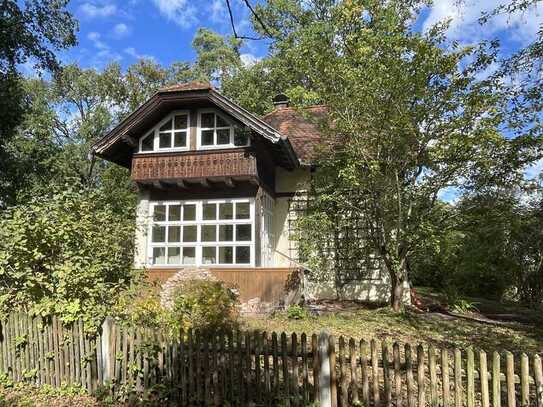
(325, 395)
(105, 365)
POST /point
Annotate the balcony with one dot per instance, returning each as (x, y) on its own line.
(194, 166)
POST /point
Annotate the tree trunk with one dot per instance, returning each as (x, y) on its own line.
(396, 293)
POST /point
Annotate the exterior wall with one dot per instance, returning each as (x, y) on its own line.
(264, 284)
(142, 228)
(374, 289)
(371, 290)
(286, 182)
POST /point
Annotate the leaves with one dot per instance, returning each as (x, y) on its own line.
(58, 256)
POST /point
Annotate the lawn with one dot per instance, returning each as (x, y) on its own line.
(525, 334)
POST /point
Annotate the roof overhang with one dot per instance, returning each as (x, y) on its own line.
(118, 144)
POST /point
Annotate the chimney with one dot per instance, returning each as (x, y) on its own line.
(281, 101)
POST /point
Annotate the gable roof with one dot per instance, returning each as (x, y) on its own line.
(118, 144)
(303, 132)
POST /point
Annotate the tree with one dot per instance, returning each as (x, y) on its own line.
(58, 255)
(30, 32)
(407, 117)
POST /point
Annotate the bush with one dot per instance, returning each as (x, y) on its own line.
(196, 304)
(68, 254)
(296, 312)
(205, 305)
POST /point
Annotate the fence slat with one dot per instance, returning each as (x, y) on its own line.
(510, 380)
(375, 374)
(333, 375)
(397, 374)
(496, 380)
(433, 375)
(524, 380)
(538, 376)
(344, 393)
(458, 388)
(421, 385)
(364, 372)
(386, 374)
(305, 370)
(409, 376)
(267, 375)
(284, 365)
(354, 368)
(316, 363)
(445, 384)
(483, 377)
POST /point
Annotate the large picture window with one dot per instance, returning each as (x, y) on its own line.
(215, 131)
(210, 232)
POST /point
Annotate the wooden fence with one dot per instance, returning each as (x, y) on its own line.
(267, 369)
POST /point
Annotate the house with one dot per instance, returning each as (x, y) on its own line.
(218, 188)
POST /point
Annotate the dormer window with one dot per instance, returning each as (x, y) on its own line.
(170, 135)
(215, 131)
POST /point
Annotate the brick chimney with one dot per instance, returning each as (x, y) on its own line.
(281, 101)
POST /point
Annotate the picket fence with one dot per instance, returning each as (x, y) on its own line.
(256, 368)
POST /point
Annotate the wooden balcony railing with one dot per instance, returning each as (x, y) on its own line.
(193, 165)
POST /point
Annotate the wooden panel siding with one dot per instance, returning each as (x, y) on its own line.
(149, 167)
(266, 283)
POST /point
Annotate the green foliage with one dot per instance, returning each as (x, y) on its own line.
(195, 304)
(490, 246)
(296, 312)
(204, 305)
(31, 30)
(408, 116)
(58, 255)
(463, 306)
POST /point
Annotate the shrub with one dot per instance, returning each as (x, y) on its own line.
(296, 312)
(68, 254)
(196, 304)
(205, 305)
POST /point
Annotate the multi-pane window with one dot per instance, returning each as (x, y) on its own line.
(216, 132)
(217, 232)
(171, 134)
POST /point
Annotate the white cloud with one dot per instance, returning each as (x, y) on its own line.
(133, 53)
(218, 11)
(249, 59)
(104, 53)
(94, 37)
(91, 10)
(178, 11)
(521, 27)
(121, 30)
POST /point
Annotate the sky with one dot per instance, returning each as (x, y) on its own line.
(126, 30)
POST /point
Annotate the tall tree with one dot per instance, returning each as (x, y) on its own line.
(30, 33)
(408, 117)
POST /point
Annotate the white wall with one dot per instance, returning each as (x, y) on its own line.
(142, 228)
(371, 290)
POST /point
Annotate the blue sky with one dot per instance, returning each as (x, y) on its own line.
(126, 30)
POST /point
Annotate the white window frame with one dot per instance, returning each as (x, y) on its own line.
(216, 146)
(154, 132)
(199, 244)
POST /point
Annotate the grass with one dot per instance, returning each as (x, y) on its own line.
(411, 327)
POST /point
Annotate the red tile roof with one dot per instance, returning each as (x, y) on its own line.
(195, 85)
(303, 132)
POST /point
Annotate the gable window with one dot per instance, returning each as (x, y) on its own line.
(215, 131)
(170, 134)
(210, 232)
